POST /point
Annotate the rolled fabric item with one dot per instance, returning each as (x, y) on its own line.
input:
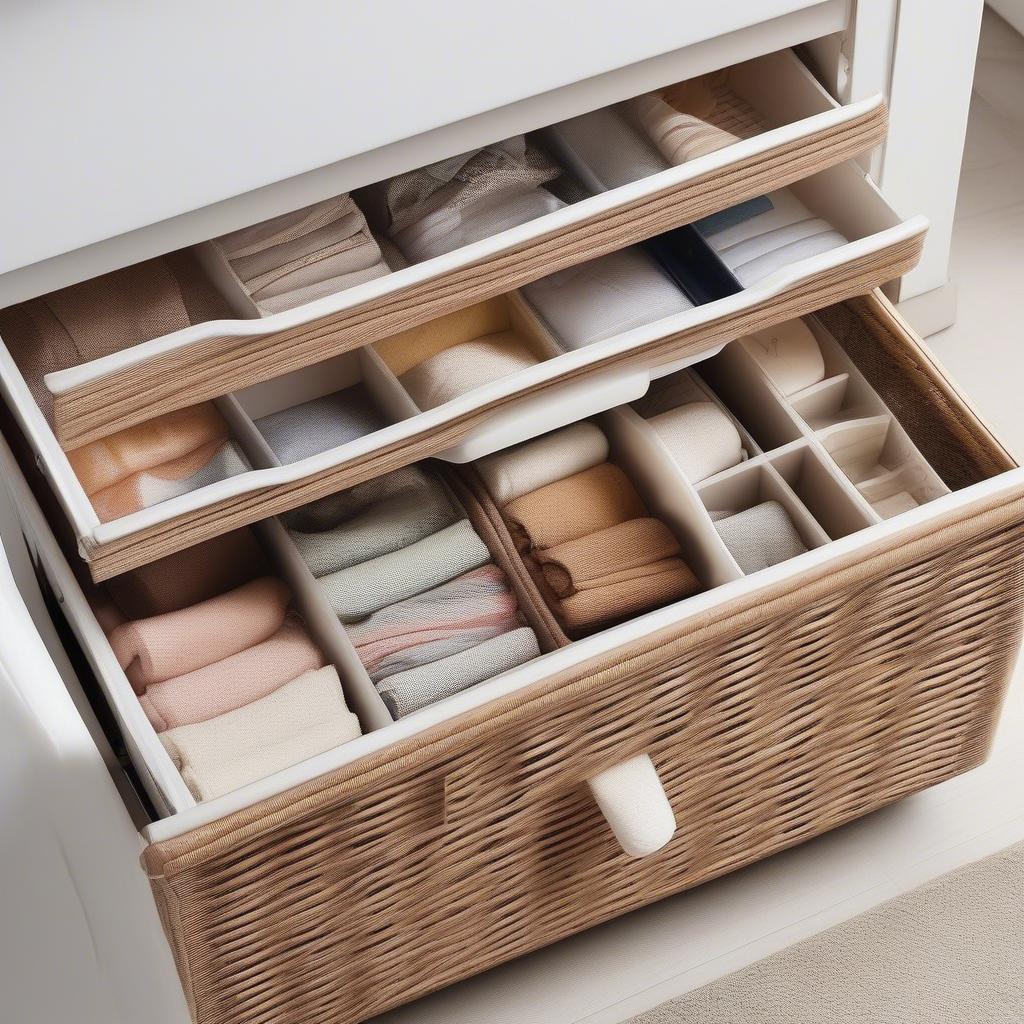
(478, 602)
(803, 249)
(388, 526)
(303, 255)
(108, 461)
(163, 646)
(320, 424)
(297, 721)
(328, 511)
(679, 136)
(670, 579)
(215, 461)
(574, 507)
(187, 577)
(516, 471)
(406, 692)
(701, 439)
(363, 589)
(629, 550)
(604, 297)
(789, 354)
(760, 536)
(233, 681)
(464, 367)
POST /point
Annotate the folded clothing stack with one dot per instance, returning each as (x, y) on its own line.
(465, 198)
(304, 255)
(157, 460)
(584, 533)
(225, 670)
(759, 536)
(755, 247)
(320, 424)
(428, 612)
(105, 315)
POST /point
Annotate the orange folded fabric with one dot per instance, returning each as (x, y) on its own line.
(187, 577)
(572, 508)
(618, 554)
(164, 646)
(234, 681)
(112, 459)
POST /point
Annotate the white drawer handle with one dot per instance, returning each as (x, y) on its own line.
(634, 802)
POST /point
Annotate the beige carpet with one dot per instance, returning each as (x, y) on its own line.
(951, 952)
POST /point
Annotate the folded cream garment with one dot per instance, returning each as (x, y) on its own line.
(187, 577)
(760, 536)
(464, 367)
(478, 603)
(701, 439)
(297, 721)
(320, 424)
(163, 646)
(574, 507)
(303, 255)
(789, 354)
(415, 688)
(782, 255)
(679, 136)
(234, 681)
(605, 297)
(388, 526)
(516, 471)
(364, 589)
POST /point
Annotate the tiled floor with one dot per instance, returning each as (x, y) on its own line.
(622, 968)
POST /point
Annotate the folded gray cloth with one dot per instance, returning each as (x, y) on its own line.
(360, 590)
(326, 512)
(387, 526)
(320, 424)
(760, 536)
(415, 688)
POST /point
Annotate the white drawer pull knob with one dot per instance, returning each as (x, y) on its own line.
(634, 802)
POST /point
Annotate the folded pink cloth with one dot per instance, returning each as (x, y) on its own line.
(233, 682)
(164, 646)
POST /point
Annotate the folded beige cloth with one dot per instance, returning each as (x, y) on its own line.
(304, 255)
(464, 367)
(574, 507)
(187, 577)
(163, 646)
(297, 721)
(789, 354)
(516, 471)
(679, 136)
(234, 681)
(701, 438)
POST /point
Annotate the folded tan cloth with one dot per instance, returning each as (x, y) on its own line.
(163, 646)
(630, 550)
(464, 367)
(234, 681)
(516, 471)
(574, 507)
(297, 721)
(187, 577)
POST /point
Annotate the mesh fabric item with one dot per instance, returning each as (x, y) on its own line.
(305, 717)
(406, 692)
(604, 297)
(363, 589)
(511, 473)
(760, 536)
(701, 439)
(320, 424)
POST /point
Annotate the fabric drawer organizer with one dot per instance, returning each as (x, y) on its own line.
(790, 132)
(770, 706)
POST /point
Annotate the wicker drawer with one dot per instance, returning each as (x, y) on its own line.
(772, 708)
(294, 351)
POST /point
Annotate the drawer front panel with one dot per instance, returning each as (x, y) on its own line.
(785, 713)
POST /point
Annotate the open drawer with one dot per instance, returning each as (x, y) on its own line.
(642, 759)
(561, 386)
(793, 129)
